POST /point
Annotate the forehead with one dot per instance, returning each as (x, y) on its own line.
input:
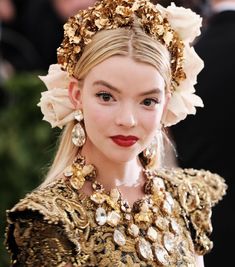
(123, 72)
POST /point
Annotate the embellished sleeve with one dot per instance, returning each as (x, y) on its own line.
(197, 192)
(33, 241)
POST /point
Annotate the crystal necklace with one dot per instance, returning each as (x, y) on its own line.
(143, 222)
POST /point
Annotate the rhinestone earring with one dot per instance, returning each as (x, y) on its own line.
(78, 133)
(150, 153)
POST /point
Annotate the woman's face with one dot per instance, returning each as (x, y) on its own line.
(122, 102)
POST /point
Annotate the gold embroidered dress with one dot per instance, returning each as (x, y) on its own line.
(58, 224)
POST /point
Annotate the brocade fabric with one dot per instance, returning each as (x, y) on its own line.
(57, 225)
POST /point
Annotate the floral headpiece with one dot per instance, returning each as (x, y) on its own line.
(175, 27)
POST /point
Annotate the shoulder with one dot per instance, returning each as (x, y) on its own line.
(201, 184)
(196, 191)
(57, 203)
(50, 202)
(42, 225)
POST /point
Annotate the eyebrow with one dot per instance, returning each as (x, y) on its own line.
(111, 87)
(100, 82)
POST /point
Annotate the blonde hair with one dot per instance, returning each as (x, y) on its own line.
(134, 43)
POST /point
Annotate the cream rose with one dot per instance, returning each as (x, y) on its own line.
(183, 20)
(183, 100)
(192, 65)
(55, 103)
(56, 107)
(180, 105)
(56, 78)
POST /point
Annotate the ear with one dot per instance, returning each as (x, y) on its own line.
(167, 99)
(75, 93)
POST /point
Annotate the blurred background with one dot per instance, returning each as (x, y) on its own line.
(31, 31)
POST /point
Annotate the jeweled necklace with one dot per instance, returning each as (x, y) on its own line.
(142, 222)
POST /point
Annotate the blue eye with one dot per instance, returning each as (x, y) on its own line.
(150, 102)
(106, 97)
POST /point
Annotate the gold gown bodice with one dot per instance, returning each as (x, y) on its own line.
(57, 224)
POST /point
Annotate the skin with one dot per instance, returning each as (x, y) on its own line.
(120, 97)
(120, 105)
(7, 10)
(214, 2)
(67, 8)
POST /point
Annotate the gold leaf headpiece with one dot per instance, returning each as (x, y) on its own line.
(112, 14)
(175, 27)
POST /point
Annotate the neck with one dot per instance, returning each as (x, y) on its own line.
(114, 174)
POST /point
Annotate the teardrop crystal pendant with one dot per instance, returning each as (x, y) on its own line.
(78, 135)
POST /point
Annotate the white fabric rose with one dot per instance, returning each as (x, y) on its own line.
(56, 107)
(56, 78)
(192, 65)
(55, 104)
(183, 20)
(180, 105)
(183, 101)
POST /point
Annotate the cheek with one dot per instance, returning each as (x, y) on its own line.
(96, 116)
(152, 119)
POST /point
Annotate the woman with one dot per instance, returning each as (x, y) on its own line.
(128, 71)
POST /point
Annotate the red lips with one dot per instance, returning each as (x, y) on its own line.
(125, 141)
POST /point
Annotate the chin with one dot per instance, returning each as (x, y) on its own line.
(122, 157)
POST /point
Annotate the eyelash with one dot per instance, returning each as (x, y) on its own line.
(108, 96)
(154, 101)
(102, 95)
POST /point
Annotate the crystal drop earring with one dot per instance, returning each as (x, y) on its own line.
(78, 133)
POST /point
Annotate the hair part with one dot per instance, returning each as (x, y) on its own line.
(133, 43)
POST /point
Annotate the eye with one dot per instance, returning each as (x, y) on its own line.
(150, 102)
(104, 96)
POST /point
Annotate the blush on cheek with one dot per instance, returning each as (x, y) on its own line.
(98, 116)
(154, 119)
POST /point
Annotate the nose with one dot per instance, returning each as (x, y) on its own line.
(126, 116)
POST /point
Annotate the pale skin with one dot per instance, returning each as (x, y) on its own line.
(120, 97)
(67, 8)
(119, 109)
(214, 2)
(7, 10)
